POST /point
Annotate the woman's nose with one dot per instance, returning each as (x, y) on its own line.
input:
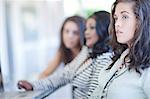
(71, 34)
(118, 23)
(86, 32)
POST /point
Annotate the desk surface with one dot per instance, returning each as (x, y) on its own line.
(19, 95)
(64, 92)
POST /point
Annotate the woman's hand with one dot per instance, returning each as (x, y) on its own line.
(22, 84)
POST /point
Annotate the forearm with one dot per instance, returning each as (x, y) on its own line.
(52, 66)
(52, 82)
(55, 81)
(48, 71)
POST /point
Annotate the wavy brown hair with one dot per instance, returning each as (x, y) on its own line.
(139, 53)
(66, 54)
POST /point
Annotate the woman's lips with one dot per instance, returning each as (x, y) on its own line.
(88, 38)
(118, 32)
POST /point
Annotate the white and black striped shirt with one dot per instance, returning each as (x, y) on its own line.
(81, 73)
(86, 81)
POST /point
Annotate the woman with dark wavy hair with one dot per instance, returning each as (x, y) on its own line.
(128, 77)
(83, 71)
(101, 28)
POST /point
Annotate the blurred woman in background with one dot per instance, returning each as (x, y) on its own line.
(72, 36)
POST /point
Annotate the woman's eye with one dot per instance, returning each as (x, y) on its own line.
(75, 32)
(66, 31)
(92, 27)
(124, 17)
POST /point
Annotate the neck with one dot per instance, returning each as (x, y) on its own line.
(129, 44)
(75, 51)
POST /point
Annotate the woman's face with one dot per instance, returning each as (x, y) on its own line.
(71, 35)
(90, 33)
(125, 22)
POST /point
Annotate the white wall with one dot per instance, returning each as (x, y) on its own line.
(30, 57)
(3, 46)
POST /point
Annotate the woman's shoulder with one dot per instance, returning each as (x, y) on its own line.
(145, 75)
(146, 80)
(105, 58)
(145, 71)
(84, 48)
(84, 51)
(106, 55)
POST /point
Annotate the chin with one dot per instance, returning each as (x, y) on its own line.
(121, 42)
(69, 47)
(90, 46)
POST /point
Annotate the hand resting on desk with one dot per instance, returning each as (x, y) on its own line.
(23, 84)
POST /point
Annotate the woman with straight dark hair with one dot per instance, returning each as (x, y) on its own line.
(71, 42)
(83, 71)
(128, 77)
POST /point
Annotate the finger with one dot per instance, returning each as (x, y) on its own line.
(21, 85)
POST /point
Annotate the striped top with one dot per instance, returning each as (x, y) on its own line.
(86, 81)
(82, 73)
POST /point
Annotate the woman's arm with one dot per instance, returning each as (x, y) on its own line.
(53, 82)
(52, 66)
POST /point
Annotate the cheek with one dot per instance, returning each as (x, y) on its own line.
(76, 39)
(64, 38)
(127, 36)
(131, 31)
(96, 36)
(94, 39)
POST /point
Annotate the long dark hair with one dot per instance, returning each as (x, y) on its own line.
(139, 53)
(102, 19)
(66, 54)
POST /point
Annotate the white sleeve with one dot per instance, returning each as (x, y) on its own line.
(53, 82)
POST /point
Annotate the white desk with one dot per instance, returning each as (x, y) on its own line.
(18, 95)
(64, 92)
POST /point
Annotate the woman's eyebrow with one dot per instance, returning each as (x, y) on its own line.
(124, 12)
(121, 13)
